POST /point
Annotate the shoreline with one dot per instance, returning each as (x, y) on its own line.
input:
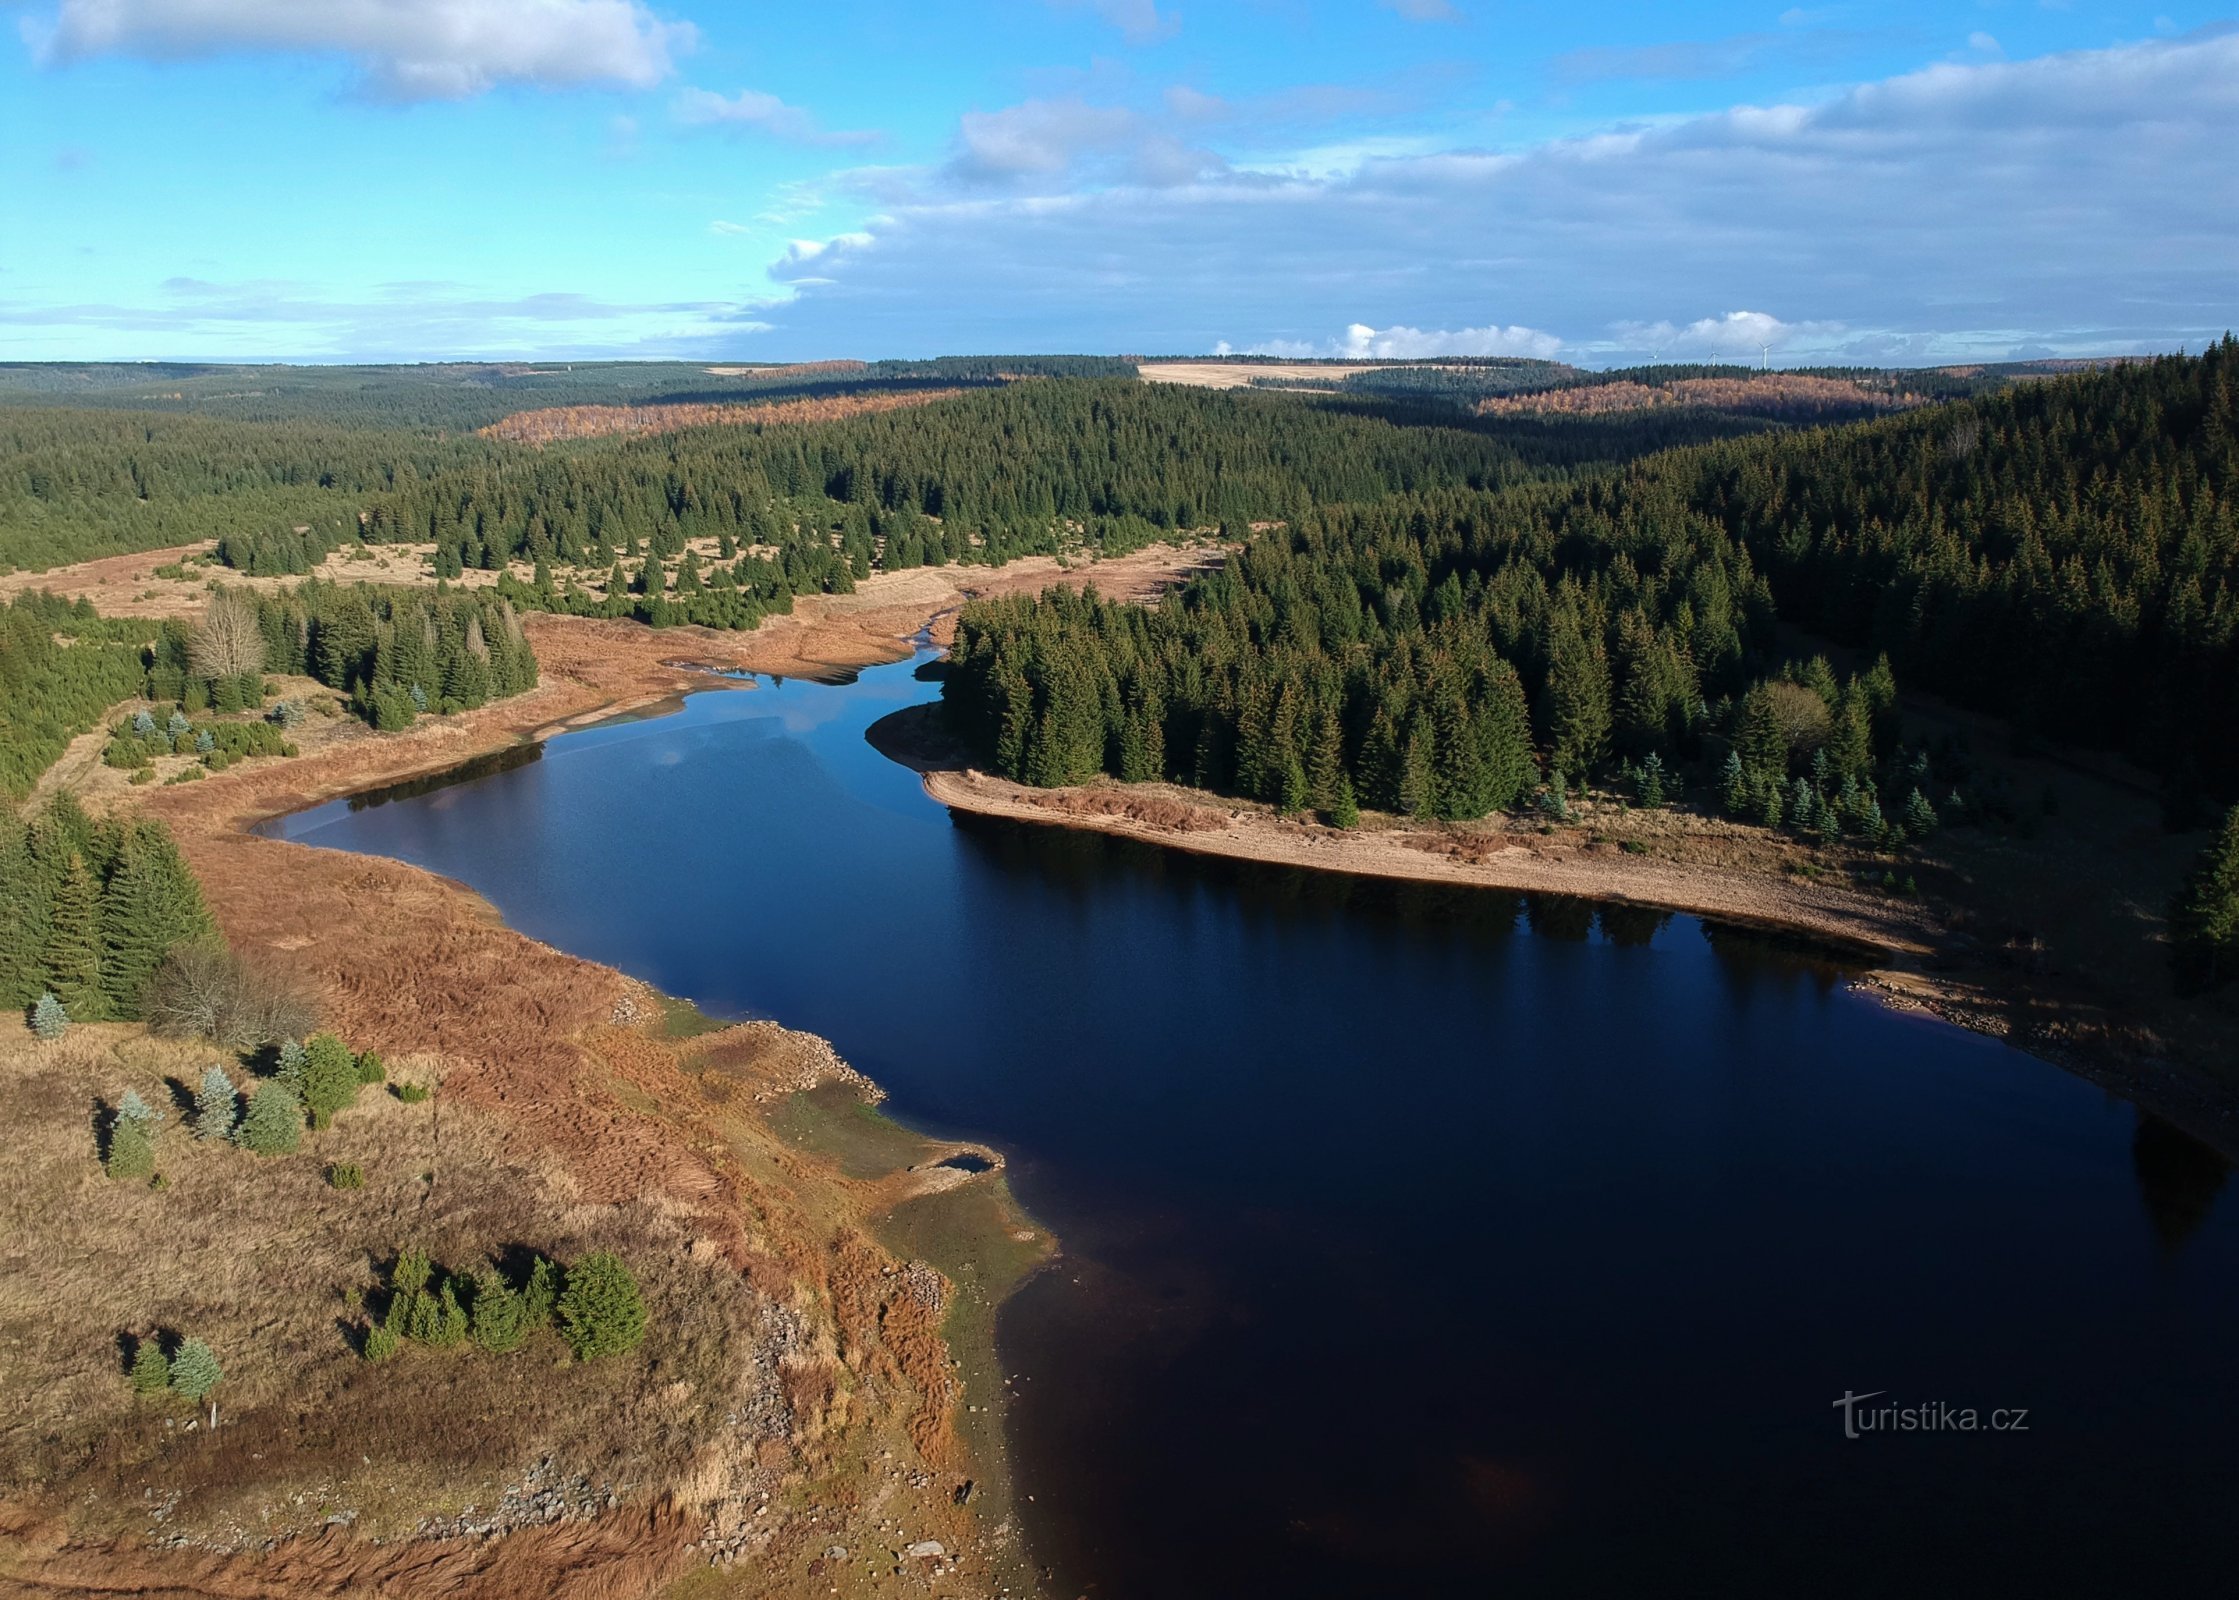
(1910, 962)
(587, 1068)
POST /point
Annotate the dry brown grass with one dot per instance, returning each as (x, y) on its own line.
(788, 1357)
(597, 422)
(264, 1259)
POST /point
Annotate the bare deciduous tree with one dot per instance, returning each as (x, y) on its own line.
(228, 643)
(205, 990)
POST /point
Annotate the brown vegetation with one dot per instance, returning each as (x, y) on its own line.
(597, 422)
(1788, 396)
(796, 1355)
(1217, 374)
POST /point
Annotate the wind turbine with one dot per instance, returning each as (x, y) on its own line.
(1765, 358)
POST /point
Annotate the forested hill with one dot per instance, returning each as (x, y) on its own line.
(1011, 467)
(998, 468)
(2063, 552)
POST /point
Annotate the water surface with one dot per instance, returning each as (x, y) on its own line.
(1423, 1240)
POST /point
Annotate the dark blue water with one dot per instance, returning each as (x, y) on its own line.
(1428, 1241)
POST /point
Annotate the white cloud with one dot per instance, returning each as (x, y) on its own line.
(751, 110)
(1361, 342)
(2085, 201)
(1140, 21)
(403, 49)
(727, 230)
(1737, 333)
(1037, 142)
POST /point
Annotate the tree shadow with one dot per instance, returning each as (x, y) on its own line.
(2179, 1178)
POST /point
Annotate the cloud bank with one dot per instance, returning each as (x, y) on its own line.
(403, 49)
(2084, 200)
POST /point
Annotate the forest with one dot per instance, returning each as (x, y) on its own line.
(2063, 554)
(88, 910)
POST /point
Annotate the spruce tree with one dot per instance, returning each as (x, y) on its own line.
(1920, 816)
(600, 1310)
(1733, 786)
(131, 1151)
(195, 1372)
(1648, 785)
(151, 1369)
(1346, 812)
(496, 1317)
(73, 957)
(293, 1060)
(273, 1124)
(217, 1105)
(50, 1019)
(1578, 702)
(330, 1077)
(23, 916)
(541, 1294)
(2204, 920)
(151, 905)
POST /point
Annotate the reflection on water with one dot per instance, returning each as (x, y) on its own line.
(1423, 1240)
(2179, 1177)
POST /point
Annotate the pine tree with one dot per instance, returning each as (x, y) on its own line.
(217, 1106)
(1418, 777)
(151, 905)
(273, 1124)
(195, 1372)
(600, 1311)
(151, 1369)
(497, 1322)
(1556, 801)
(23, 916)
(1578, 703)
(330, 1077)
(2204, 920)
(1920, 816)
(1733, 786)
(541, 1294)
(1346, 811)
(50, 1019)
(74, 943)
(1648, 785)
(131, 1151)
(293, 1061)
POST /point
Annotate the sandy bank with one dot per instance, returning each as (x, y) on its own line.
(1917, 953)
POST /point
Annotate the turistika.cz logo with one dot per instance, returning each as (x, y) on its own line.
(1930, 1416)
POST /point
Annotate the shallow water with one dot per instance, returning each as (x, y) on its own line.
(1424, 1240)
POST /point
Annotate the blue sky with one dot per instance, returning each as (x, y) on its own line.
(429, 179)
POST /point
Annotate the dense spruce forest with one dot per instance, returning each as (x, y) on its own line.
(89, 909)
(61, 667)
(2063, 553)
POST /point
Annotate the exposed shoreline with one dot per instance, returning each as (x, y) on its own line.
(573, 1056)
(1912, 962)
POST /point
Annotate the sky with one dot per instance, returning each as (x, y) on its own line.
(402, 180)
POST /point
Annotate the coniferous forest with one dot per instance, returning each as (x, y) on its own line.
(1428, 611)
(2061, 553)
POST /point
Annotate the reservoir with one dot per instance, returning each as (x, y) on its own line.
(1431, 1241)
